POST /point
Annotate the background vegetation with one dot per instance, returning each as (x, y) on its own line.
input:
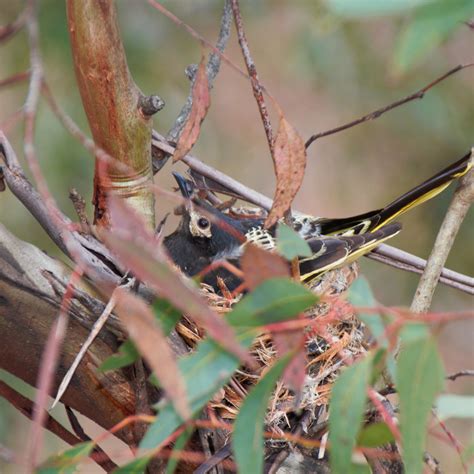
(326, 66)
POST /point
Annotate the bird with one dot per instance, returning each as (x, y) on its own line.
(206, 234)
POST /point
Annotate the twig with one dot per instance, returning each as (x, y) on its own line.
(98, 454)
(98, 325)
(384, 253)
(11, 29)
(26, 407)
(15, 79)
(461, 373)
(197, 36)
(377, 113)
(462, 200)
(452, 439)
(214, 460)
(252, 70)
(416, 264)
(213, 66)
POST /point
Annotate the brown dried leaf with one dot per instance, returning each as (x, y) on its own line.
(199, 108)
(289, 159)
(138, 318)
(258, 265)
(143, 255)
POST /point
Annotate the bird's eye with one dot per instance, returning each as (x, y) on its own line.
(203, 223)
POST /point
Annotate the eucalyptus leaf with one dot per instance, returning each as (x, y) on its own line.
(419, 377)
(126, 355)
(348, 398)
(276, 299)
(67, 461)
(290, 244)
(247, 438)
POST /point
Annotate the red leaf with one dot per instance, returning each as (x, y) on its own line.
(143, 255)
(289, 159)
(201, 103)
(292, 340)
(138, 318)
(258, 265)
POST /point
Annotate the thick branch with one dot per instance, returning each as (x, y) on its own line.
(29, 305)
(111, 102)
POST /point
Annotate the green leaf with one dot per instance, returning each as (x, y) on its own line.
(276, 299)
(179, 444)
(430, 26)
(290, 244)
(455, 406)
(413, 332)
(419, 377)
(346, 413)
(369, 8)
(205, 371)
(374, 435)
(166, 314)
(247, 439)
(126, 355)
(67, 461)
(360, 294)
(137, 466)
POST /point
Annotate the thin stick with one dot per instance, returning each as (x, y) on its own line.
(213, 66)
(98, 325)
(98, 454)
(252, 70)
(197, 36)
(11, 29)
(461, 373)
(15, 79)
(462, 200)
(377, 113)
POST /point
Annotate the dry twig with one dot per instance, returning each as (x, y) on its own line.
(419, 94)
(252, 70)
(462, 200)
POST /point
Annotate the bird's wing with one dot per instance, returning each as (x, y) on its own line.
(331, 253)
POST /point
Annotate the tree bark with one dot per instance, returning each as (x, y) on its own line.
(29, 304)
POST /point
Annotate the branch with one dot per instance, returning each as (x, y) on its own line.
(377, 113)
(111, 101)
(252, 70)
(461, 373)
(384, 253)
(406, 261)
(213, 66)
(11, 29)
(26, 407)
(462, 200)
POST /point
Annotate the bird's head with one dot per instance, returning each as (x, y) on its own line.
(205, 226)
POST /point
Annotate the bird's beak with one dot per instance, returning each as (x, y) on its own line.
(185, 186)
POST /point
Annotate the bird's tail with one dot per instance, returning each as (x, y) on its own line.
(334, 252)
(374, 220)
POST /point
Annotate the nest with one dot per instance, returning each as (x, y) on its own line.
(327, 349)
